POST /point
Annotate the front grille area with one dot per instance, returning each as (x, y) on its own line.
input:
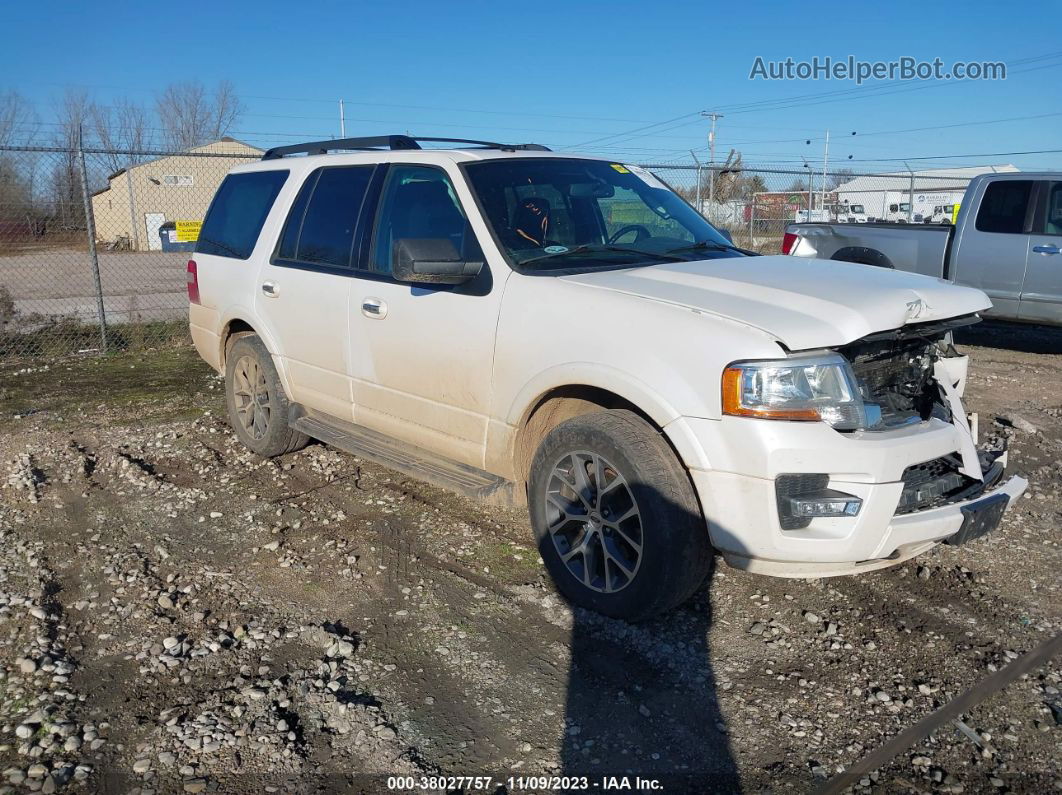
(931, 483)
(897, 376)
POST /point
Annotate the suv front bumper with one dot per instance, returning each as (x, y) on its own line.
(738, 497)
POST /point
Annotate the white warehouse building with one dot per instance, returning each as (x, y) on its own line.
(911, 196)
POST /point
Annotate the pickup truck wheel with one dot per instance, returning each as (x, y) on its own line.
(615, 516)
(258, 407)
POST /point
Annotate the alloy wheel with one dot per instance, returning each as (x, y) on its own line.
(251, 397)
(594, 521)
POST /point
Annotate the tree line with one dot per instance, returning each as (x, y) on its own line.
(42, 191)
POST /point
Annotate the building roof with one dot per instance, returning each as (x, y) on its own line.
(938, 178)
(213, 148)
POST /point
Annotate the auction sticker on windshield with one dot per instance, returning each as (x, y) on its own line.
(555, 249)
(647, 177)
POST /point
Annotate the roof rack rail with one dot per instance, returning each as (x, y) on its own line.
(393, 142)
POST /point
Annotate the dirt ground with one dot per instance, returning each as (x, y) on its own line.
(177, 615)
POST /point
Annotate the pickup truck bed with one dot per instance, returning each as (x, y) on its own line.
(924, 250)
(1007, 242)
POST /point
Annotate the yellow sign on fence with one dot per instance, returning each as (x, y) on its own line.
(188, 231)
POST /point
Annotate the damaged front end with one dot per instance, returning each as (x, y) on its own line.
(915, 374)
(895, 371)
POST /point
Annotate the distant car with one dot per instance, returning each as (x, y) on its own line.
(1006, 240)
(535, 327)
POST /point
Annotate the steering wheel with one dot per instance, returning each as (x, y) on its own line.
(640, 232)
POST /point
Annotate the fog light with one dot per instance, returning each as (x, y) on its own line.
(824, 503)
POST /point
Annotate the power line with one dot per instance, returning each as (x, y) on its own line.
(819, 98)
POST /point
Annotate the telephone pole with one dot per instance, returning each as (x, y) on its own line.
(825, 162)
(342, 121)
(711, 156)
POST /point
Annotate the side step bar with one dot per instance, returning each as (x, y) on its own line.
(405, 458)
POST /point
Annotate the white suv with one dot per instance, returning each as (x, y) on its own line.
(523, 325)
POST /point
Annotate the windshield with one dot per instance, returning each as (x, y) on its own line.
(561, 213)
(857, 208)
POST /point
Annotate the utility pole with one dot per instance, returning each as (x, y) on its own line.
(711, 156)
(825, 161)
(342, 121)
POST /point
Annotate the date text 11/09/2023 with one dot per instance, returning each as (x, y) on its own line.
(523, 783)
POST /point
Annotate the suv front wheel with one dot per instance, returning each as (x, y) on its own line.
(257, 404)
(616, 518)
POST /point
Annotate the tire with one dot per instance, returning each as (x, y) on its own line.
(658, 557)
(248, 361)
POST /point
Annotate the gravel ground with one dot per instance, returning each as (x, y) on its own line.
(177, 615)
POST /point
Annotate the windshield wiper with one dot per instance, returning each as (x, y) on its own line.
(594, 249)
(705, 245)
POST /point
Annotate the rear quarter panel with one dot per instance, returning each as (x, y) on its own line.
(228, 286)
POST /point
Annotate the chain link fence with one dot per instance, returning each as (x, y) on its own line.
(94, 242)
(756, 204)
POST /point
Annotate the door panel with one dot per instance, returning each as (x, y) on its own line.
(422, 356)
(307, 316)
(992, 251)
(1041, 294)
(305, 289)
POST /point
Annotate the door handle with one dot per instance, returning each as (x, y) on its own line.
(374, 308)
(1048, 249)
(270, 289)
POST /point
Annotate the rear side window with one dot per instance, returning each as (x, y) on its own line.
(1004, 207)
(321, 224)
(237, 213)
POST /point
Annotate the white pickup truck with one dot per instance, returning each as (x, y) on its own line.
(529, 326)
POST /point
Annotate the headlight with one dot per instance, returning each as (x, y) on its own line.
(812, 388)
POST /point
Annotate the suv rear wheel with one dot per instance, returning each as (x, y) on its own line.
(258, 407)
(617, 522)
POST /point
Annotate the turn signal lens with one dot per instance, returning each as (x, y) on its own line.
(732, 377)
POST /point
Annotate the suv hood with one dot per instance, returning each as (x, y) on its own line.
(803, 303)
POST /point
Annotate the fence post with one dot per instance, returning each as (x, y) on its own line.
(910, 196)
(90, 227)
(752, 222)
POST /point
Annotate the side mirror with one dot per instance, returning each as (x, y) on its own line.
(726, 233)
(432, 260)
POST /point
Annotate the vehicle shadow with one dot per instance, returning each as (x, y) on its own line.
(1019, 337)
(642, 703)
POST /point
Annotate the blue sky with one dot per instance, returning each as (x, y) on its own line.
(567, 74)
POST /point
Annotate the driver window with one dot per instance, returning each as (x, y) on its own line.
(628, 219)
(419, 202)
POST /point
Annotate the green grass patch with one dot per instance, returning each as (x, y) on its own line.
(510, 563)
(65, 336)
(129, 386)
